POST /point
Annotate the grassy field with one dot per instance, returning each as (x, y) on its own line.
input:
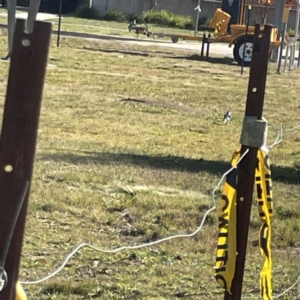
(71, 23)
(131, 144)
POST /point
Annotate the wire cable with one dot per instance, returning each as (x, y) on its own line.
(82, 245)
(277, 141)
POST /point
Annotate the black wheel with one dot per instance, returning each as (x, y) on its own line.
(174, 39)
(243, 48)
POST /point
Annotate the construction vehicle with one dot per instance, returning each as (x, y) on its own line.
(228, 25)
(238, 35)
(144, 30)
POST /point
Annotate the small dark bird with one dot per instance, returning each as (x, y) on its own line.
(227, 116)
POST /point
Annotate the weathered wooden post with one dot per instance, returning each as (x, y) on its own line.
(17, 144)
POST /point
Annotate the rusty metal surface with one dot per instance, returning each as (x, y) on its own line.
(246, 168)
(18, 138)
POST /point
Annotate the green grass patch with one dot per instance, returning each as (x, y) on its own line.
(130, 147)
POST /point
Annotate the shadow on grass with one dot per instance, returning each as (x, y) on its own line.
(130, 52)
(279, 173)
(213, 60)
(167, 54)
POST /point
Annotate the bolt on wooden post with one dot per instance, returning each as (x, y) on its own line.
(246, 168)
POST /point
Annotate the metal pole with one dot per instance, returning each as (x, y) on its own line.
(33, 10)
(297, 27)
(18, 141)
(59, 22)
(246, 34)
(203, 43)
(298, 64)
(281, 48)
(278, 14)
(198, 17)
(287, 49)
(246, 168)
(291, 62)
(207, 45)
(11, 22)
(277, 23)
(241, 15)
(297, 19)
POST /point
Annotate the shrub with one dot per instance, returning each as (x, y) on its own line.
(190, 25)
(114, 15)
(167, 18)
(290, 32)
(162, 17)
(138, 18)
(84, 11)
(202, 21)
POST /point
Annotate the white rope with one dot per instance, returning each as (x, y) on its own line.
(278, 139)
(279, 132)
(198, 8)
(291, 129)
(82, 245)
(288, 289)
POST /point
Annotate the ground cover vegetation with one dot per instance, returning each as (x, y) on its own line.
(158, 17)
(131, 144)
(87, 20)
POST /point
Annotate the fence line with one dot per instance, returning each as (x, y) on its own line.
(142, 245)
(277, 141)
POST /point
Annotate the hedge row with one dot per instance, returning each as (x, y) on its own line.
(162, 17)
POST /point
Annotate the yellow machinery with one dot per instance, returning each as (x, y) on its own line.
(242, 44)
(228, 30)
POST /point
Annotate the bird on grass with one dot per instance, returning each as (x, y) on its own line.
(227, 117)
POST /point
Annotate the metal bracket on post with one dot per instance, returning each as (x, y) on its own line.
(3, 279)
(254, 132)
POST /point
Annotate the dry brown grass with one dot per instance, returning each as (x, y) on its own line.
(95, 152)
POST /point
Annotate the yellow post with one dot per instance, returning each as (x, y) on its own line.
(20, 294)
